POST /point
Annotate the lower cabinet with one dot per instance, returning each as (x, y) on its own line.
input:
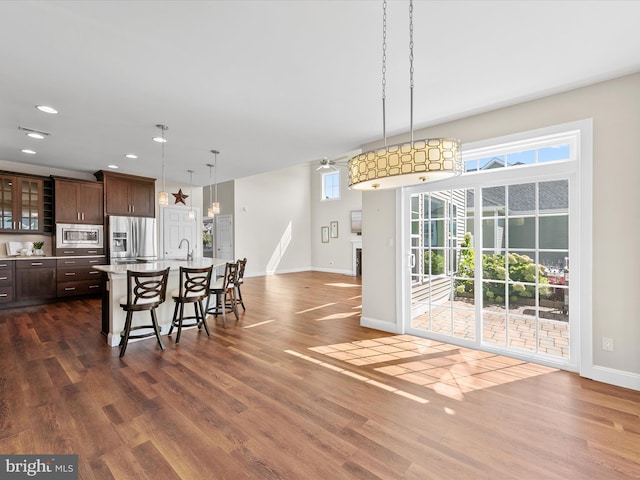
(35, 280)
(7, 275)
(76, 276)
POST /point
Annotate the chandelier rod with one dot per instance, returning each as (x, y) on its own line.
(384, 71)
(411, 64)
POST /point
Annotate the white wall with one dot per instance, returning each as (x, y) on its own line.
(614, 107)
(335, 256)
(272, 221)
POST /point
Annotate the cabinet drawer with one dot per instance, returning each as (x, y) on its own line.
(81, 287)
(69, 252)
(6, 277)
(24, 264)
(81, 262)
(6, 294)
(66, 274)
(6, 265)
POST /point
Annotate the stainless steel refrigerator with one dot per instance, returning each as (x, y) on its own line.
(132, 239)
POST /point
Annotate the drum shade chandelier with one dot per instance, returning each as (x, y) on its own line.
(407, 163)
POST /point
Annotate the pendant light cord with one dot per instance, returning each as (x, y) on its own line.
(411, 64)
(384, 70)
(215, 175)
(163, 182)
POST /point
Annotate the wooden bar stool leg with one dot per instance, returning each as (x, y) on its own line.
(204, 318)
(127, 330)
(180, 323)
(156, 327)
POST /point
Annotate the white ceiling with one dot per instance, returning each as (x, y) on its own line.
(273, 84)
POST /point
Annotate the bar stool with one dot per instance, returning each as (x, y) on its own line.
(240, 280)
(145, 291)
(224, 291)
(194, 287)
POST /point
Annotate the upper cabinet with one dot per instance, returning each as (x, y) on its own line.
(78, 201)
(128, 194)
(22, 204)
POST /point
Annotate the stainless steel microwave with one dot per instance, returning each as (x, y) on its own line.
(69, 235)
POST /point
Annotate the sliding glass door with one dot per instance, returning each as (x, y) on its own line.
(489, 256)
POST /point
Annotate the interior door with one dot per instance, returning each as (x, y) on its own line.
(177, 226)
(224, 237)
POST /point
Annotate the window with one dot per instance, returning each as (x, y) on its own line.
(331, 185)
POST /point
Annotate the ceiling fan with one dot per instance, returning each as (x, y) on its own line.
(326, 164)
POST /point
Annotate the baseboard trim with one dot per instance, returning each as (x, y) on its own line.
(379, 325)
(616, 377)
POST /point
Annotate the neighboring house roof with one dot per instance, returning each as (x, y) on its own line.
(554, 197)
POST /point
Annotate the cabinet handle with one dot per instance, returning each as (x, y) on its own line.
(77, 215)
(3, 295)
(3, 278)
(69, 262)
(82, 216)
(2, 265)
(36, 264)
(94, 286)
(93, 272)
(69, 252)
(69, 274)
(94, 261)
(92, 251)
(68, 289)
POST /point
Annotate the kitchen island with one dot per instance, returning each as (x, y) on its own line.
(113, 316)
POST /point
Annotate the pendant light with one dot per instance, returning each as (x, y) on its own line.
(210, 213)
(407, 163)
(192, 214)
(163, 195)
(215, 206)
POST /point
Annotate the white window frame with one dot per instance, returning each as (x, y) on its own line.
(324, 177)
(581, 274)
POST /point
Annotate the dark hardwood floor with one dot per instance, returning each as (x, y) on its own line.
(298, 390)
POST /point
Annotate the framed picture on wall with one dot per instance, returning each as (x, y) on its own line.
(334, 229)
(324, 234)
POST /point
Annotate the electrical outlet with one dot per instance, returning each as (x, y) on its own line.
(607, 344)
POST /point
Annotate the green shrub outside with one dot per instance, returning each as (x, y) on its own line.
(522, 270)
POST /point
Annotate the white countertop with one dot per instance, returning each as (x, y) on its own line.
(48, 257)
(121, 269)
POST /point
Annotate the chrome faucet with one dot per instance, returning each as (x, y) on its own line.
(189, 252)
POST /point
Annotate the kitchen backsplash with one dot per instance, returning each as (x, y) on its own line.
(5, 239)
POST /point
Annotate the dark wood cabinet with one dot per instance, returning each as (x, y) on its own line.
(78, 201)
(35, 280)
(21, 204)
(76, 276)
(128, 194)
(7, 275)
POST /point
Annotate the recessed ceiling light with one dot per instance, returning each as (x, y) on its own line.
(112, 166)
(39, 136)
(159, 139)
(46, 109)
(30, 152)
(131, 155)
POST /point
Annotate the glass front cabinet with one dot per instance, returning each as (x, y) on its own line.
(21, 204)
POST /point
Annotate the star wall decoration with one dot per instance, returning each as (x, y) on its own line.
(180, 197)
